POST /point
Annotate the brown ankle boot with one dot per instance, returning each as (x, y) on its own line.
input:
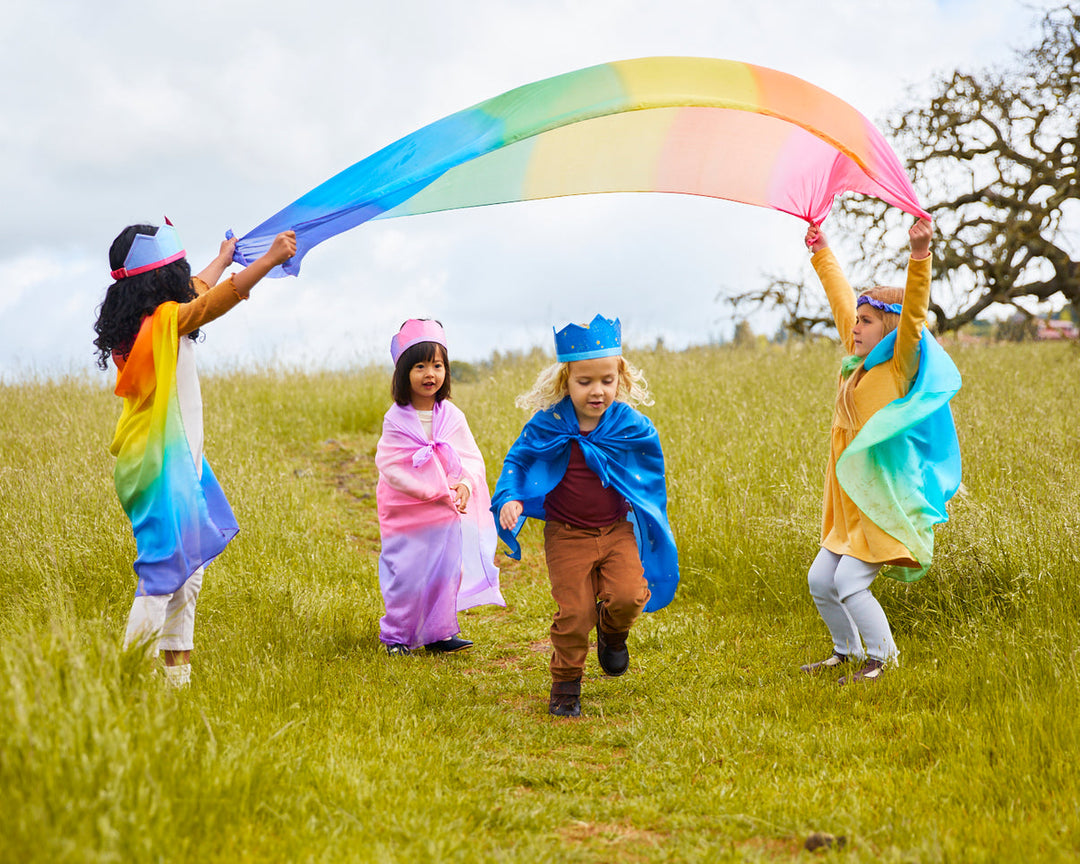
(611, 650)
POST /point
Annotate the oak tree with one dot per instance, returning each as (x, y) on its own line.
(993, 155)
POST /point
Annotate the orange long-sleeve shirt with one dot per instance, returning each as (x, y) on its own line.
(844, 529)
(210, 304)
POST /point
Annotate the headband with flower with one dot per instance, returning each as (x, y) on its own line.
(895, 308)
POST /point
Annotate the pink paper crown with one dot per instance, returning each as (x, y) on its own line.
(151, 251)
(413, 332)
(602, 338)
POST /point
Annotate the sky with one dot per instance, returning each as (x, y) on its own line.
(218, 115)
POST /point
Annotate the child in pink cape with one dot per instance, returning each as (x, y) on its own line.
(438, 534)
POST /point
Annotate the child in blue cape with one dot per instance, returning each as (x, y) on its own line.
(592, 468)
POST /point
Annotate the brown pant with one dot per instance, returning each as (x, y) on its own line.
(586, 565)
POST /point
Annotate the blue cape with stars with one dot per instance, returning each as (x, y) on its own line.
(624, 451)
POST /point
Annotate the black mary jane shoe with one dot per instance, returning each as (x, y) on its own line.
(398, 650)
(448, 646)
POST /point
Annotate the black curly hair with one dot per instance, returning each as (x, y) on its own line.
(129, 300)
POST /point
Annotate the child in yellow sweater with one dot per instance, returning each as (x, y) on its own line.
(895, 507)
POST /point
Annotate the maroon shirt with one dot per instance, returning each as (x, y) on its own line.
(581, 499)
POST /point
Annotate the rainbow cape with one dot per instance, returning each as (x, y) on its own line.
(692, 125)
(178, 512)
(903, 466)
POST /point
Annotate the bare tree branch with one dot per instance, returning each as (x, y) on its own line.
(995, 153)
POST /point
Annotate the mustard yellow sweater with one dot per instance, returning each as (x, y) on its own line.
(844, 529)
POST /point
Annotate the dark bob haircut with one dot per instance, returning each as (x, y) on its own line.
(421, 352)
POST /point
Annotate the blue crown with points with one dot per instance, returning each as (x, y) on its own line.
(602, 338)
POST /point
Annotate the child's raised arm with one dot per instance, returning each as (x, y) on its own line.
(214, 302)
(920, 234)
(837, 288)
(280, 251)
(815, 239)
(212, 272)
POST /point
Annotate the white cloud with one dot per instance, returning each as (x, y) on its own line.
(220, 114)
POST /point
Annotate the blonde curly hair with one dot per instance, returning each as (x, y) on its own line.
(552, 386)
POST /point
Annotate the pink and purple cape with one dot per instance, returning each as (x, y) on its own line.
(435, 561)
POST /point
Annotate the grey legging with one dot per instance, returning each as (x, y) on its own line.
(840, 586)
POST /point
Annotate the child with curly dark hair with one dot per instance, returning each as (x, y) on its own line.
(147, 325)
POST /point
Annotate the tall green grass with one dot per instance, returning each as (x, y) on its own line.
(300, 740)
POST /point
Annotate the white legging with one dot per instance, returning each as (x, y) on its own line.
(840, 586)
(165, 622)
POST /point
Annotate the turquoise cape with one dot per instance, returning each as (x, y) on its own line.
(903, 466)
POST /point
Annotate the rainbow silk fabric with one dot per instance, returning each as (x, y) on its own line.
(903, 466)
(178, 512)
(692, 125)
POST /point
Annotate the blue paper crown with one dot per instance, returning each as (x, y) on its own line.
(151, 251)
(602, 338)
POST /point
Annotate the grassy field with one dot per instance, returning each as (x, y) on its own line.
(300, 740)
